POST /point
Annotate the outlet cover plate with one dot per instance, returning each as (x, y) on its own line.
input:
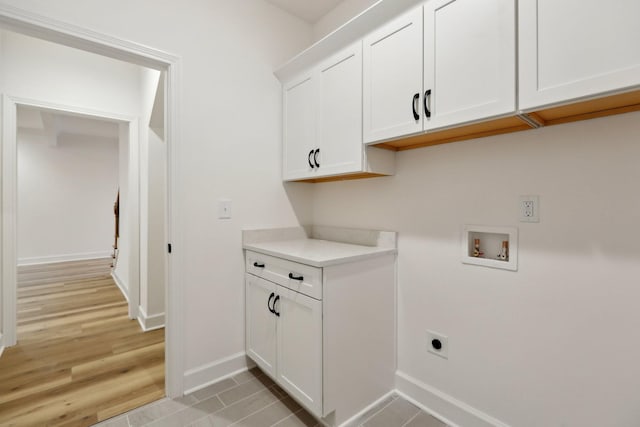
(444, 341)
(529, 209)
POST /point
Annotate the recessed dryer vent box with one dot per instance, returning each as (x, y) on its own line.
(495, 247)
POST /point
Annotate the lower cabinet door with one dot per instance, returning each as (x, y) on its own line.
(300, 347)
(260, 321)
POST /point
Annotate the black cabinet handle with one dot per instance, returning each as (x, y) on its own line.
(256, 264)
(315, 157)
(309, 159)
(427, 96)
(416, 97)
(277, 313)
(292, 277)
(273, 294)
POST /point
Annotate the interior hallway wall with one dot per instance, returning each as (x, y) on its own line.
(554, 343)
(65, 197)
(153, 240)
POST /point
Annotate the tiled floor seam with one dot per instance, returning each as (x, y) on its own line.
(255, 412)
(287, 417)
(412, 418)
(377, 412)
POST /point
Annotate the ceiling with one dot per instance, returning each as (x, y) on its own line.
(309, 10)
(55, 123)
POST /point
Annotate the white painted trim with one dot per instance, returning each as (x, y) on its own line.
(9, 233)
(447, 408)
(121, 285)
(36, 25)
(150, 323)
(1, 344)
(359, 419)
(63, 258)
(202, 376)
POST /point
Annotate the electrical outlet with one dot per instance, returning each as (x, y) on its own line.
(529, 209)
(438, 344)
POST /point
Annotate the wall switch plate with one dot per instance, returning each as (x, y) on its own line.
(224, 209)
(438, 344)
(529, 209)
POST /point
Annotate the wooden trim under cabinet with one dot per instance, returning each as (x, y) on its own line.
(575, 111)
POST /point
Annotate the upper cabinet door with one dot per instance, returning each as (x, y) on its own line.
(392, 79)
(469, 60)
(571, 49)
(340, 112)
(299, 127)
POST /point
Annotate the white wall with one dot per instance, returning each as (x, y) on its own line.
(41, 70)
(65, 197)
(555, 343)
(342, 13)
(230, 142)
(152, 205)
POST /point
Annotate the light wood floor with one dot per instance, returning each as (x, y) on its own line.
(79, 358)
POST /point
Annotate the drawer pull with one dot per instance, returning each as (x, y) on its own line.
(255, 264)
(277, 313)
(273, 294)
(292, 277)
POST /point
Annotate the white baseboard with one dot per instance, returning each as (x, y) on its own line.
(121, 285)
(362, 416)
(205, 375)
(441, 405)
(62, 258)
(150, 323)
(1, 344)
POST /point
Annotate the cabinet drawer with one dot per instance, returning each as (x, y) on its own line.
(286, 273)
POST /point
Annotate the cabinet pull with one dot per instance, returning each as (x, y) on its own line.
(292, 277)
(256, 264)
(277, 313)
(416, 97)
(315, 157)
(309, 159)
(273, 294)
(427, 97)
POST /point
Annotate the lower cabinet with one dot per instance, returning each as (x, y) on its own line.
(284, 338)
(325, 335)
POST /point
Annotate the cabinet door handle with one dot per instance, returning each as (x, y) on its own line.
(277, 313)
(292, 277)
(416, 97)
(256, 264)
(427, 97)
(273, 294)
(309, 159)
(315, 157)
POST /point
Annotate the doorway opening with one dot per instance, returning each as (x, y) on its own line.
(167, 64)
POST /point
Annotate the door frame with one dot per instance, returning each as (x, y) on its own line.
(55, 31)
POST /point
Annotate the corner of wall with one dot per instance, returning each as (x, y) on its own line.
(150, 323)
(441, 405)
(205, 375)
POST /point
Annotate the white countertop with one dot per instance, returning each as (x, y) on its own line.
(316, 252)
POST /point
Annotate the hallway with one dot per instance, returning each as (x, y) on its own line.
(79, 358)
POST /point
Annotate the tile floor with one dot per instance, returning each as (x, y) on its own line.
(251, 399)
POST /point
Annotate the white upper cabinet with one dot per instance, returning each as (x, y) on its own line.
(392, 79)
(340, 113)
(322, 126)
(299, 127)
(572, 49)
(469, 61)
